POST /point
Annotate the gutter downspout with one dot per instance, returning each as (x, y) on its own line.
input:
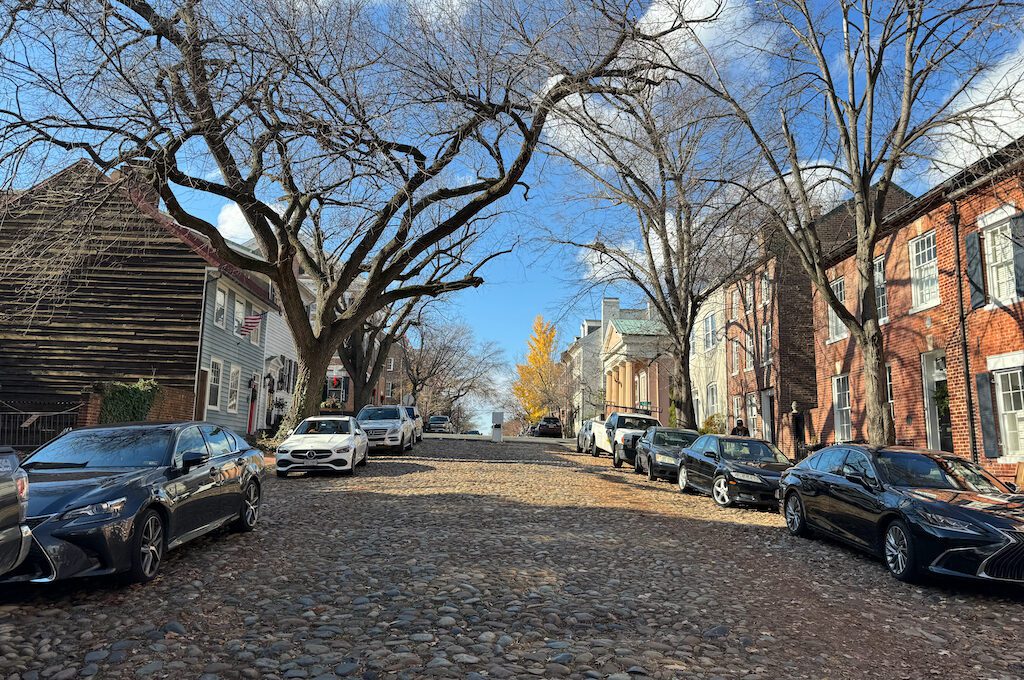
(962, 312)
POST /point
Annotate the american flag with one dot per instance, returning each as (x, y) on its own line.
(251, 323)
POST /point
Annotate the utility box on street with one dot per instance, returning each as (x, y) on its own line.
(497, 420)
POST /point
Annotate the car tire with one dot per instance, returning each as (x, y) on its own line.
(366, 458)
(593, 448)
(252, 497)
(899, 552)
(637, 467)
(282, 474)
(795, 515)
(616, 461)
(579, 449)
(650, 471)
(148, 544)
(682, 480)
(720, 492)
(412, 441)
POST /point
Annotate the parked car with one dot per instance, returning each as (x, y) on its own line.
(920, 511)
(549, 426)
(610, 435)
(325, 444)
(732, 469)
(660, 450)
(15, 536)
(387, 427)
(115, 498)
(584, 436)
(417, 421)
(472, 432)
(439, 424)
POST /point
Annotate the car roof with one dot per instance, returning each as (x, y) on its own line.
(159, 425)
(328, 418)
(736, 437)
(666, 428)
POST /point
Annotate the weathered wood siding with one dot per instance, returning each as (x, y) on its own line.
(91, 289)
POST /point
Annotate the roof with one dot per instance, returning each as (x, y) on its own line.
(639, 326)
(336, 417)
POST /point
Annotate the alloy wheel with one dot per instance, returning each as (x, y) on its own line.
(251, 505)
(793, 514)
(681, 481)
(897, 549)
(720, 491)
(152, 548)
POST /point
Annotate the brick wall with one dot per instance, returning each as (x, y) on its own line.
(172, 404)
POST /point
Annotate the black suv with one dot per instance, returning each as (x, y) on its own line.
(549, 426)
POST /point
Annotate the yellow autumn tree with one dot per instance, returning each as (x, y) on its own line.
(537, 380)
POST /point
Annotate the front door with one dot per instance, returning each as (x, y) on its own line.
(936, 401)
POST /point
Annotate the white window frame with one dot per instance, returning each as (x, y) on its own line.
(766, 343)
(220, 306)
(214, 406)
(391, 363)
(254, 336)
(920, 274)
(890, 394)
(843, 427)
(989, 235)
(748, 350)
(737, 408)
(710, 332)
(735, 356)
(748, 304)
(766, 289)
(734, 312)
(695, 396)
(389, 390)
(881, 290)
(234, 385)
(752, 412)
(1008, 412)
(837, 330)
(712, 398)
(238, 320)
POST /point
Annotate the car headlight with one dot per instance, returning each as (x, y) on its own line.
(394, 430)
(97, 511)
(283, 452)
(948, 523)
(343, 449)
(746, 477)
(663, 458)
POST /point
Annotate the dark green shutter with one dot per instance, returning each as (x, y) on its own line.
(975, 272)
(989, 433)
(1017, 234)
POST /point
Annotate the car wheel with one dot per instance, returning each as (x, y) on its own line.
(720, 492)
(593, 448)
(650, 471)
(681, 480)
(148, 547)
(409, 446)
(899, 552)
(579, 449)
(250, 515)
(796, 520)
(366, 457)
(637, 467)
(282, 473)
(616, 461)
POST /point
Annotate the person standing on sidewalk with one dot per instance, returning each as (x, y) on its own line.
(740, 430)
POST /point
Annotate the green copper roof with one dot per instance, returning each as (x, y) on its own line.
(639, 326)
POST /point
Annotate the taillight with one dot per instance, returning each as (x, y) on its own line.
(21, 483)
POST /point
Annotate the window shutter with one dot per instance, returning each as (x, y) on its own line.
(1017, 234)
(975, 272)
(989, 435)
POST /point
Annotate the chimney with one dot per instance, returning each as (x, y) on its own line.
(140, 180)
(609, 311)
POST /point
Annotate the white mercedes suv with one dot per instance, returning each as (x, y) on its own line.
(324, 443)
(387, 427)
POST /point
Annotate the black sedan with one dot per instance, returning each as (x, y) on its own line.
(732, 469)
(921, 511)
(660, 449)
(114, 499)
(549, 426)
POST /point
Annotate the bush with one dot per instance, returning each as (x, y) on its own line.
(127, 402)
(713, 424)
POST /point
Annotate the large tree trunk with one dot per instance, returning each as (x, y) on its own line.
(877, 416)
(313, 360)
(681, 390)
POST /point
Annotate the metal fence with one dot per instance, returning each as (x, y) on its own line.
(26, 429)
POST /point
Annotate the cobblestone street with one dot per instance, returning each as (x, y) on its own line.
(465, 559)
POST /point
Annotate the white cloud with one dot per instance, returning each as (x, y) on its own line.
(231, 223)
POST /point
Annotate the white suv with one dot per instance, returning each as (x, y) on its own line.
(387, 427)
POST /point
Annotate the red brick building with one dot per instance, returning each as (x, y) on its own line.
(950, 281)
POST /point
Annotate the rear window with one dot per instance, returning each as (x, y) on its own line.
(439, 419)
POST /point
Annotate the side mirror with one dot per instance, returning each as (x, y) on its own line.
(858, 478)
(711, 454)
(290, 432)
(191, 459)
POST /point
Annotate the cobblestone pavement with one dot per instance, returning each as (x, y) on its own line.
(470, 560)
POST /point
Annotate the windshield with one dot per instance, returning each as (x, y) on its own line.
(339, 426)
(751, 451)
(439, 419)
(629, 423)
(379, 413)
(670, 438)
(112, 447)
(914, 470)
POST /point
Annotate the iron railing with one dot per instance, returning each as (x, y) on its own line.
(26, 429)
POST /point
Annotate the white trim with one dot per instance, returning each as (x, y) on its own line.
(1004, 362)
(209, 384)
(224, 319)
(238, 390)
(916, 306)
(1003, 212)
(922, 308)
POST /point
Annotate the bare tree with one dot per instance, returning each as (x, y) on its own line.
(361, 142)
(852, 94)
(673, 234)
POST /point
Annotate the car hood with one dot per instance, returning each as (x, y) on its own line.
(316, 441)
(1004, 510)
(764, 469)
(378, 424)
(54, 491)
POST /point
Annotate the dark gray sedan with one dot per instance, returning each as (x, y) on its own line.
(659, 451)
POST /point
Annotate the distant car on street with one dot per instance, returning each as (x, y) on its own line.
(115, 498)
(15, 536)
(473, 432)
(439, 424)
(660, 450)
(323, 444)
(920, 511)
(732, 469)
(584, 436)
(549, 426)
(417, 421)
(387, 427)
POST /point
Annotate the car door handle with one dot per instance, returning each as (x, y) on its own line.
(213, 472)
